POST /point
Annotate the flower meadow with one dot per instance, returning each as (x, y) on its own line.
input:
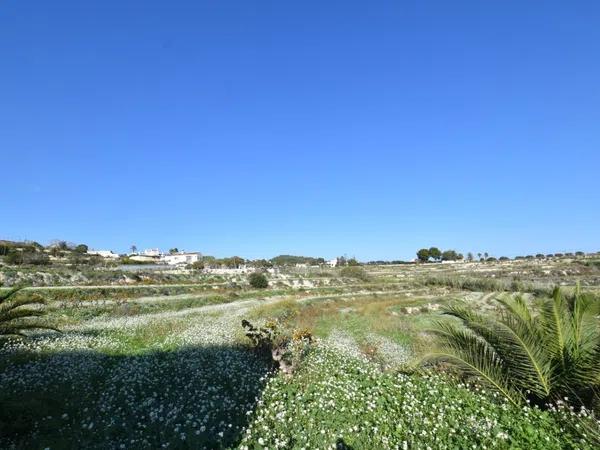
(337, 401)
(188, 379)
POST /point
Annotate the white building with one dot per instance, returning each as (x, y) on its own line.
(182, 258)
(332, 262)
(109, 254)
(151, 252)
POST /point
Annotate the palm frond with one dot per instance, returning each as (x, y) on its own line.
(473, 355)
(517, 306)
(17, 327)
(541, 353)
(8, 294)
(14, 319)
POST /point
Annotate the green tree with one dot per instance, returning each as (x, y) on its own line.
(435, 253)
(470, 256)
(174, 250)
(14, 257)
(258, 280)
(81, 248)
(261, 263)
(198, 265)
(209, 261)
(449, 255)
(423, 255)
(15, 318)
(539, 354)
(237, 261)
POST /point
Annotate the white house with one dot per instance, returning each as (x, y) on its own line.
(182, 258)
(152, 252)
(109, 254)
(332, 262)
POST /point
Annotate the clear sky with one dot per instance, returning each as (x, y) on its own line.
(310, 127)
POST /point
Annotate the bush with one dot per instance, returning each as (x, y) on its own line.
(258, 280)
(18, 257)
(355, 272)
(198, 265)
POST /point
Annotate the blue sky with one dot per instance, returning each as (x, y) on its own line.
(318, 128)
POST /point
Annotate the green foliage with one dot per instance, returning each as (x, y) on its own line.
(198, 265)
(15, 319)
(484, 284)
(261, 263)
(81, 248)
(233, 262)
(334, 401)
(450, 255)
(355, 272)
(291, 260)
(258, 280)
(423, 255)
(26, 256)
(435, 253)
(540, 354)
(263, 339)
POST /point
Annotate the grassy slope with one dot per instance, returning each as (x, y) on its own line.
(161, 369)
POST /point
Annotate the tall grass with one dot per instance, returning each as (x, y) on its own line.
(486, 284)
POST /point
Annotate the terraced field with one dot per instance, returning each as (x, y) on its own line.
(174, 369)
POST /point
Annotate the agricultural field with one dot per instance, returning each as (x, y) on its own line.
(156, 364)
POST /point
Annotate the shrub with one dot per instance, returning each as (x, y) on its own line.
(286, 352)
(198, 265)
(355, 272)
(17, 257)
(258, 280)
(540, 355)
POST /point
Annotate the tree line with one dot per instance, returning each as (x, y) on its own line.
(435, 254)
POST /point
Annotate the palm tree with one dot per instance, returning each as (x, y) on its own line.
(538, 354)
(14, 319)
